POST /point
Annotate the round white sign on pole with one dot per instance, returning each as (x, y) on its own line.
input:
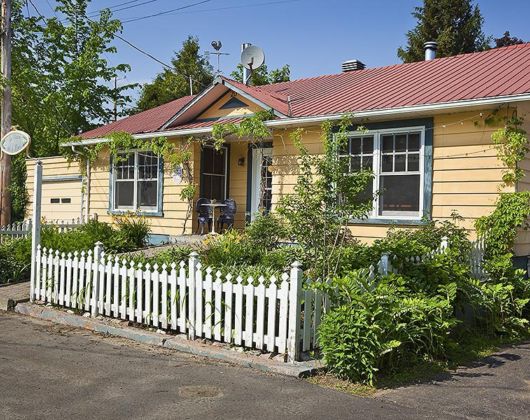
(15, 142)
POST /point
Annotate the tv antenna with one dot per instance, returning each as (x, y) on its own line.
(252, 58)
(217, 45)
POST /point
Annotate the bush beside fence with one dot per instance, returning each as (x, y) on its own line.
(277, 315)
(23, 229)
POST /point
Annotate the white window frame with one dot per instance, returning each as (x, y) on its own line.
(136, 180)
(377, 160)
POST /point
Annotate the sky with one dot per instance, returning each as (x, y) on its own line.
(313, 36)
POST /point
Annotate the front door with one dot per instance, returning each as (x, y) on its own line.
(261, 199)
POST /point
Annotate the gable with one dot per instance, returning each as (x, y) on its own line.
(229, 105)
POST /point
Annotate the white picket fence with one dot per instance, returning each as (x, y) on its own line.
(23, 229)
(275, 315)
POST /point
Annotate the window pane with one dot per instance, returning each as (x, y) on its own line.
(124, 194)
(219, 162)
(414, 162)
(400, 194)
(400, 163)
(387, 163)
(368, 145)
(214, 187)
(368, 162)
(147, 193)
(355, 163)
(401, 142)
(355, 146)
(367, 194)
(388, 143)
(414, 142)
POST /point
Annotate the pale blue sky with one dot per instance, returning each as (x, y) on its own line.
(313, 36)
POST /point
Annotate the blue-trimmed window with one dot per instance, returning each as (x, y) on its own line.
(397, 158)
(136, 182)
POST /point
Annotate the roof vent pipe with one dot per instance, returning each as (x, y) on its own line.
(430, 50)
(352, 65)
(246, 72)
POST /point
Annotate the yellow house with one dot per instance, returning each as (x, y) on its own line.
(427, 143)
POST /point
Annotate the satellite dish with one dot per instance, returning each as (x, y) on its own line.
(15, 142)
(252, 57)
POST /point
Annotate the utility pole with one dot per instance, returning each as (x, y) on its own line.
(115, 98)
(5, 161)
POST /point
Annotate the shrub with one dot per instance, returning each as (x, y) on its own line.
(133, 229)
(379, 323)
(266, 231)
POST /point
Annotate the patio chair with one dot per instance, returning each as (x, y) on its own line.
(227, 215)
(204, 215)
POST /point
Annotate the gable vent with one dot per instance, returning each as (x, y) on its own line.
(352, 65)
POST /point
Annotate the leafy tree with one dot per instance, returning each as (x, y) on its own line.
(62, 80)
(456, 25)
(262, 76)
(174, 83)
(506, 40)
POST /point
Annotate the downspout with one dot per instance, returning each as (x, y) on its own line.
(86, 193)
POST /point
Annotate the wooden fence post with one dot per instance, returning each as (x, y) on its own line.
(98, 249)
(384, 264)
(295, 294)
(35, 226)
(192, 274)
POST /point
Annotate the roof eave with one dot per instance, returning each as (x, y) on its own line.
(314, 119)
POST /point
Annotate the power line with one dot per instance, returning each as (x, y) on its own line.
(241, 6)
(116, 8)
(166, 11)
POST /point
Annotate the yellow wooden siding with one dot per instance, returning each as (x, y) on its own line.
(174, 208)
(215, 111)
(238, 180)
(522, 244)
(466, 171)
(56, 166)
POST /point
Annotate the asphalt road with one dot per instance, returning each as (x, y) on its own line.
(52, 371)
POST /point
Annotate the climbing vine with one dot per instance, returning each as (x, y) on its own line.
(252, 128)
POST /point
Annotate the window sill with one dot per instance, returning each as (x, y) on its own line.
(138, 212)
(397, 221)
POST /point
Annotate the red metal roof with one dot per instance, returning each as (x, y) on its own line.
(497, 72)
(143, 122)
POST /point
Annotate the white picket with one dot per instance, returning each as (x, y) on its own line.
(55, 299)
(238, 313)
(131, 274)
(317, 315)
(68, 284)
(123, 292)
(75, 279)
(173, 299)
(100, 298)
(88, 270)
(115, 307)
(148, 316)
(208, 303)
(155, 277)
(248, 334)
(218, 291)
(308, 311)
(228, 286)
(260, 313)
(139, 293)
(182, 307)
(164, 298)
(271, 318)
(109, 268)
(198, 299)
(284, 306)
(44, 274)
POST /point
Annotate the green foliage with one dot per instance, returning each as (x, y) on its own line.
(252, 128)
(380, 324)
(500, 228)
(456, 25)
(15, 255)
(326, 197)
(511, 143)
(174, 83)
(266, 231)
(262, 75)
(506, 40)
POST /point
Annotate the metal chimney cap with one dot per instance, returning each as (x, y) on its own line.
(431, 45)
(352, 65)
(430, 50)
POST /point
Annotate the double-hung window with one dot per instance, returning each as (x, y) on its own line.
(396, 158)
(214, 170)
(136, 181)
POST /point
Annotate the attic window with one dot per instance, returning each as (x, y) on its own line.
(234, 103)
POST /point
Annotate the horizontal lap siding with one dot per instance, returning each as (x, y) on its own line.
(174, 209)
(238, 180)
(56, 166)
(466, 171)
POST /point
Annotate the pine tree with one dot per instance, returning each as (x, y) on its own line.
(506, 40)
(456, 25)
(174, 83)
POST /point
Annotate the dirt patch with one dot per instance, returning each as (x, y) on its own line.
(329, 381)
(200, 391)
